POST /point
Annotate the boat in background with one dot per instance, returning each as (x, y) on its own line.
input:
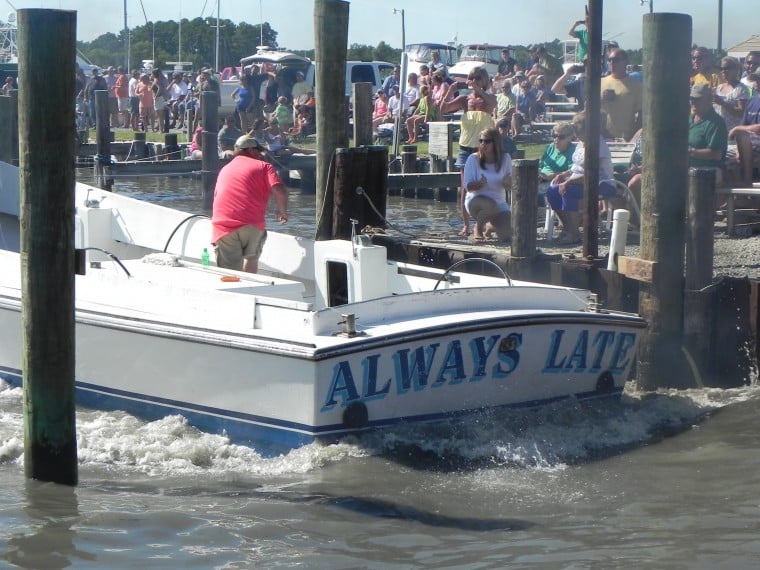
(330, 338)
(421, 54)
(477, 55)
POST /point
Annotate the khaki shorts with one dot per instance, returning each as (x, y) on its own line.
(245, 242)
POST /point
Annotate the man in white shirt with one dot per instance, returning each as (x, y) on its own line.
(411, 94)
(134, 101)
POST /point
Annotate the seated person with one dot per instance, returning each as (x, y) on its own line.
(307, 123)
(557, 156)
(283, 113)
(380, 113)
(487, 178)
(196, 144)
(277, 142)
(524, 107)
(227, 136)
(708, 137)
(507, 142)
(505, 101)
(747, 134)
(424, 112)
(543, 96)
(566, 190)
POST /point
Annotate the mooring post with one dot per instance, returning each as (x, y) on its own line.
(209, 156)
(663, 197)
(102, 139)
(343, 198)
(524, 208)
(139, 146)
(5, 129)
(362, 114)
(171, 148)
(330, 41)
(699, 307)
(47, 40)
(14, 127)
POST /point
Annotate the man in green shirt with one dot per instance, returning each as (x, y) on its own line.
(708, 136)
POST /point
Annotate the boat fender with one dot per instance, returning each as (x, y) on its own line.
(605, 383)
(355, 416)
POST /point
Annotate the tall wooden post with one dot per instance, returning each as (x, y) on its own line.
(524, 208)
(14, 126)
(47, 41)
(362, 114)
(5, 129)
(663, 195)
(700, 239)
(330, 41)
(210, 156)
(102, 138)
(590, 202)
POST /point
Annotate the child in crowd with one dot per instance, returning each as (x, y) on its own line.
(283, 113)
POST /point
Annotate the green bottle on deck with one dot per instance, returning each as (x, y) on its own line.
(205, 258)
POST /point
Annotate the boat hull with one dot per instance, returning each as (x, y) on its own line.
(277, 396)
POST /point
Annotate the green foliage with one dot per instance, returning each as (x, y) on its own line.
(161, 41)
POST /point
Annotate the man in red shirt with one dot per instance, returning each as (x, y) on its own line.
(121, 92)
(241, 195)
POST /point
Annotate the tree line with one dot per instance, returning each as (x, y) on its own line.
(160, 41)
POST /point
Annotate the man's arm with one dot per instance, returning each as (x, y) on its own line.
(280, 193)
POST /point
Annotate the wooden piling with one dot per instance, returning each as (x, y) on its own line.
(524, 208)
(330, 41)
(663, 197)
(362, 114)
(47, 40)
(590, 202)
(171, 148)
(5, 129)
(209, 156)
(14, 127)
(102, 139)
(700, 240)
(139, 147)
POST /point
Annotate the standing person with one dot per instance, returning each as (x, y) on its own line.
(581, 35)
(392, 80)
(121, 90)
(134, 100)
(566, 190)
(113, 102)
(243, 101)
(731, 95)
(702, 70)
(96, 83)
(621, 97)
(477, 106)
(160, 99)
(487, 178)
(147, 103)
(238, 218)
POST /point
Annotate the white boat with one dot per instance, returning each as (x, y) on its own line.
(477, 55)
(330, 338)
(420, 54)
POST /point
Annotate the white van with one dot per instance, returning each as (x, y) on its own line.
(287, 64)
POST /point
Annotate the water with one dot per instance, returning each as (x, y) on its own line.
(658, 480)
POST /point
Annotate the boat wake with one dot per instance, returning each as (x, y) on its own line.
(547, 439)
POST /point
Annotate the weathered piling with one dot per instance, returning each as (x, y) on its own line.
(47, 41)
(209, 156)
(700, 238)
(13, 126)
(663, 197)
(5, 129)
(102, 140)
(524, 208)
(139, 147)
(360, 189)
(330, 41)
(362, 114)
(171, 148)
(593, 128)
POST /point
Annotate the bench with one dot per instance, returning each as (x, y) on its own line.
(730, 194)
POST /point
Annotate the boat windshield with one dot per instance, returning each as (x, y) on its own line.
(480, 53)
(423, 53)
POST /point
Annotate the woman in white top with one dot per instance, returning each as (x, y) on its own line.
(487, 178)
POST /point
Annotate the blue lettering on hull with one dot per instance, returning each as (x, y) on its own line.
(431, 366)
